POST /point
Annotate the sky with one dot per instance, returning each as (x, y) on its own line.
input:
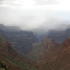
(31, 14)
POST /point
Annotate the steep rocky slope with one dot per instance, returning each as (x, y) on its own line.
(36, 53)
(51, 55)
(58, 57)
(21, 40)
(11, 59)
(44, 51)
(46, 55)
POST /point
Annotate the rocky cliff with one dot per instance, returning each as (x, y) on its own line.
(58, 57)
(11, 60)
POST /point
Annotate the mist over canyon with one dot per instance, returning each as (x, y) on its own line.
(34, 35)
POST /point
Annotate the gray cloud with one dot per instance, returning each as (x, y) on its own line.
(1, 1)
(11, 2)
(38, 2)
(46, 2)
(32, 17)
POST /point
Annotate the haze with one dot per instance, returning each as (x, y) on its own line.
(33, 14)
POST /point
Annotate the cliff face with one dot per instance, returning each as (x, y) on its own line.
(12, 59)
(66, 43)
(52, 49)
(49, 43)
(47, 55)
(58, 57)
(44, 51)
(6, 49)
(21, 40)
(53, 56)
(59, 36)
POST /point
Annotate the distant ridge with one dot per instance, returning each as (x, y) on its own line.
(20, 40)
(10, 28)
(60, 33)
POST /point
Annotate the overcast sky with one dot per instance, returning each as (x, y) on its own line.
(30, 14)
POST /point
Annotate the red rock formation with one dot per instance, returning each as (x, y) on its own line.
(58, 57)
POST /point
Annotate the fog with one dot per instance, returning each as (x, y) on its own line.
(34, 14)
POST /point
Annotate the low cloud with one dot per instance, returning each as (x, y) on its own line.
(31, 14)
